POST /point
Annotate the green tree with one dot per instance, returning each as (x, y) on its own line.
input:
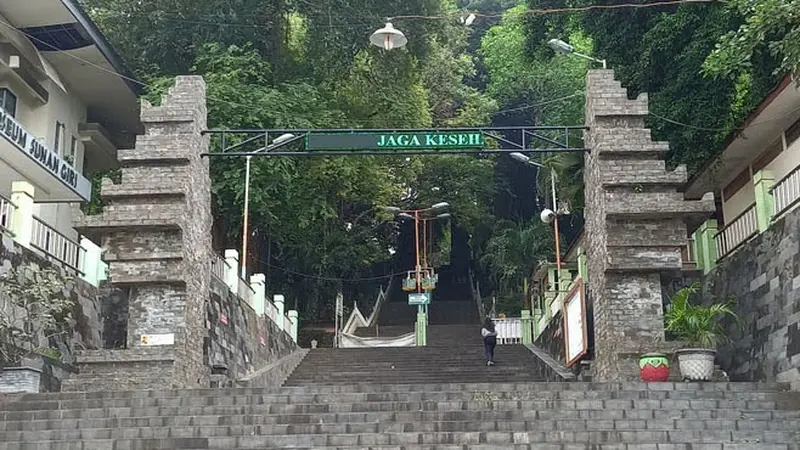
(769, 25)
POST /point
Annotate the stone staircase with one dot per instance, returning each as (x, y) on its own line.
(436, 397)
(411, 417)
(440, 397)
(454, 355)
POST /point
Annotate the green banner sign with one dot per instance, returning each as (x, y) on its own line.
(396, 141)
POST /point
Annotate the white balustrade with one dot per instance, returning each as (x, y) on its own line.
(6, 213)
(219, 267)
(737, 232)
(509, 331)
(287, 325)
(786, 192)
(56, 245)
(245, 292)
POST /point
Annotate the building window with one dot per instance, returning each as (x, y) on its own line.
(73, 150)
(59, 139)
(792, 133)
(8, 101)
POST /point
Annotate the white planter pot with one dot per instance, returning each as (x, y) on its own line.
(696, 364)
(14, 380)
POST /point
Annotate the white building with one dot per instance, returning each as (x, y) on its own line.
(67, 103)
(756, 178)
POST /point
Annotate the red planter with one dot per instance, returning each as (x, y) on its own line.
(654, 367)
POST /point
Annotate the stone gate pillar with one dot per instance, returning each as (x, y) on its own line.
(156, 233)
(635, 226)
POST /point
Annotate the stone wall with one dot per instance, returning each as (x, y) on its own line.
(635, 226)
(90, 328)
(182, 327)
(763, 277)
(240, 342)
(87, 313)
(156, 232)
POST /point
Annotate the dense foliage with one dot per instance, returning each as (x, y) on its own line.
(318, 225)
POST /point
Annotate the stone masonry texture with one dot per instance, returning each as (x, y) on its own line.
(156, 230)
(156, 235)
(762, 279)
(89, 320)
(635, 226)
(239, 341)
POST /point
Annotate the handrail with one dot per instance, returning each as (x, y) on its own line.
(786, 192)
(7, 210)
(57, 245)
(245, 291)
(218, 266)
(287, 324)
(737, 232)
(787, 176)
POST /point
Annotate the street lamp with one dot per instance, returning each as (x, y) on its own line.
(547, 215)
(388, 37)
(562, 47)
(414, 214)
(280, 141)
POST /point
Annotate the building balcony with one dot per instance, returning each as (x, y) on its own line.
(80, 257)
(98, 146)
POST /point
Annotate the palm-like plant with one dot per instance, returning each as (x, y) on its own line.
(699, 325)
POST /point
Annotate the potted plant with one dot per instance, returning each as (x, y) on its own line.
(701, 327)
(654, 367)
(34, 310)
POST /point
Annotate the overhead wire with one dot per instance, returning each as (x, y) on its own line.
(326, 278)
(521, 108)
(459, 14)
(555, 10)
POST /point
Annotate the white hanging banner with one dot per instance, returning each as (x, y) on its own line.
(575, 331)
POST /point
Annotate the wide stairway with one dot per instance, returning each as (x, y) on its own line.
(454, 355)
(437, 397)
(411, 417)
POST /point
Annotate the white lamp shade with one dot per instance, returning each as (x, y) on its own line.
(388, 38)
(560, 46)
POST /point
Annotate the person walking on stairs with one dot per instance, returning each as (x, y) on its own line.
(489, 340)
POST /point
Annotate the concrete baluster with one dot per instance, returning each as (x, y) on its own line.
(22, 220)
(293, 318)
(258, 282)
(232, 270)
(279, 301)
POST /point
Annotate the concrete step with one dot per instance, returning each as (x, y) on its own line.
(214, 430)
(747, 439)
(607, 399)
(563, 389)
(742, 406)
(647, 418)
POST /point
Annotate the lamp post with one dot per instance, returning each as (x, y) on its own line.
(547, 215)
(415, 215)
(426, 233)
(278, 142)
(562, 47)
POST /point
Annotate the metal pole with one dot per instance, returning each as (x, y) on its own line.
(245, 218)
(425, 243)
(555, 221)
(416, 242)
